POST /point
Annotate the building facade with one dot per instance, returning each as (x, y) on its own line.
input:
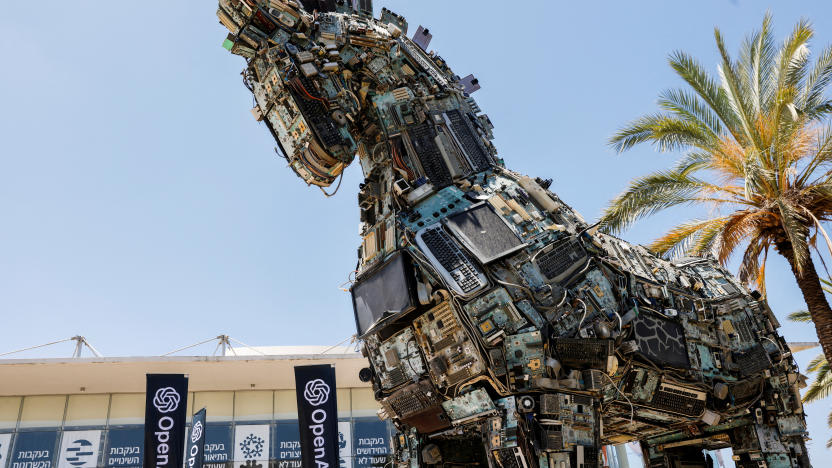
(89, 412)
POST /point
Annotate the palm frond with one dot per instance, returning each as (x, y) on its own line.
(736, 229)
(816, 83)
(800, 316)
(756, 57)
(690, 70)
(752, 269)
(736, 95)
(651, 194)
(793, 56)
(821, 387)
(668, 133)
(816, 364)
(678, 241)
(690, 108)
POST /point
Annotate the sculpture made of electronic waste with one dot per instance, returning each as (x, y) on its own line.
(501, 330)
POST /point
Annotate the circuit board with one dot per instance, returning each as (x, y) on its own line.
(524, 358)
(398, 360)
(451, 355)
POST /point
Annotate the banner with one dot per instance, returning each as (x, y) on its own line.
(251, 445)
(79, 449)
(317, 415)
(124, 447)
(196, 442)
(345, 444)
(219, 447)
(34, 449)
(164, 420)
(5, 442)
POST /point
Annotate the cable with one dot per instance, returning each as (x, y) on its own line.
(340, 178)
(583, 304)
(35, 347)
(632, 411)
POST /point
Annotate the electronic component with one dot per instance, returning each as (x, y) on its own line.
(467, 139)
(524, 358)
(680, 400)
(472, 405)
(660, 339)
(559, 260)
(423, 139)
(753, 360)
(485, 233)
(418, 405)
(422, 37)
(457, 268)
(647, 388)
(495, 314)
(397, 360)
(583, 353)
(510, 458)
(452, 356)
(383, 292)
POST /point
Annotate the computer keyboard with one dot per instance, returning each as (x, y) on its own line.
(679, 400)
(556, 262)
(422, 136)
(468, 140)
(511, 457)
(583, 353)
(454, 264)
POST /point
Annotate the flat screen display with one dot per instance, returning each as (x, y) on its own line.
(484, 232)
(661, 340)
(382, 293)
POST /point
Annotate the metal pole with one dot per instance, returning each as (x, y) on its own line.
(621, 455)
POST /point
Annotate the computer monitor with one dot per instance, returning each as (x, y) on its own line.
(484, 233)
(383, 292)
(661, 340)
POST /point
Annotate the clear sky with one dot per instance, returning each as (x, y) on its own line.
(142, 206)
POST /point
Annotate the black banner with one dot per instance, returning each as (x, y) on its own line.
(317, 415)
(196, 441)
(164, 420)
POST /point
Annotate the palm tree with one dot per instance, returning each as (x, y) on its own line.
(757, 148)
(821, 387)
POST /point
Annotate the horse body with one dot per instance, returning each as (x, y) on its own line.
(501, 329)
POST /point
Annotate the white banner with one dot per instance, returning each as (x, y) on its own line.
(251, 443)
(79, 449)
(345, 444)
(5, 441)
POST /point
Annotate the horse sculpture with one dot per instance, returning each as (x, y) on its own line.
(501, 328)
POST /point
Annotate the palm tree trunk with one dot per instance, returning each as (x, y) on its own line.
(813, 294)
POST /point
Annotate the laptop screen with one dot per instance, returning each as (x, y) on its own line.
(383, 292)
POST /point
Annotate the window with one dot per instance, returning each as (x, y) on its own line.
(219, 405)
(285, 405)
(344, 403)
(42, 411)
(253, 406)
(127, 408)
(86, 410)
(9, 411)
(364, 403)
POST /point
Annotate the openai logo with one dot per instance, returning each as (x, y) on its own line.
(316, 392)
(196, 432)
(166, 399)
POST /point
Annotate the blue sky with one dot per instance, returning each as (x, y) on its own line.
(144, 208)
